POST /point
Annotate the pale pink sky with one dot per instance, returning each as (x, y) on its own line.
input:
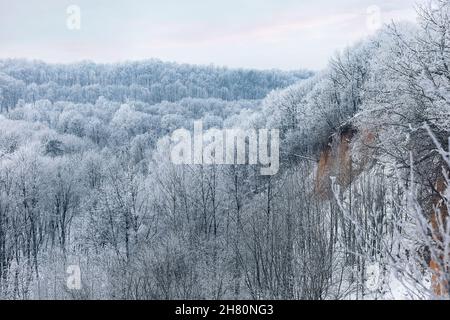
(285, 34)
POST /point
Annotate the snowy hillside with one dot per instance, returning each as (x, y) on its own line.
(336, 184)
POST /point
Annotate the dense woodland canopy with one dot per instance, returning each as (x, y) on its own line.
(85, 177)
(150, 81)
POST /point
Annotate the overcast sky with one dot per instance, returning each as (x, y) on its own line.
(263, 34)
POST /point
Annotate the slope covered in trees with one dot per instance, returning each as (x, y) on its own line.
(358, 209)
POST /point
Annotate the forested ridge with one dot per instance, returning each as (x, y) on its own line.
(358, 210)
(151, 81)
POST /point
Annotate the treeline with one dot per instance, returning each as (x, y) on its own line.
(359, 208)
(151, 81)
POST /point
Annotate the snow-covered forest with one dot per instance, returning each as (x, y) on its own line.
(358, 209)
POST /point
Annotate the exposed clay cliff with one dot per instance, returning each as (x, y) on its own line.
(439, 214)
(336, 161)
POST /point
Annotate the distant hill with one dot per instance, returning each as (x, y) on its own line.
(151, 81)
